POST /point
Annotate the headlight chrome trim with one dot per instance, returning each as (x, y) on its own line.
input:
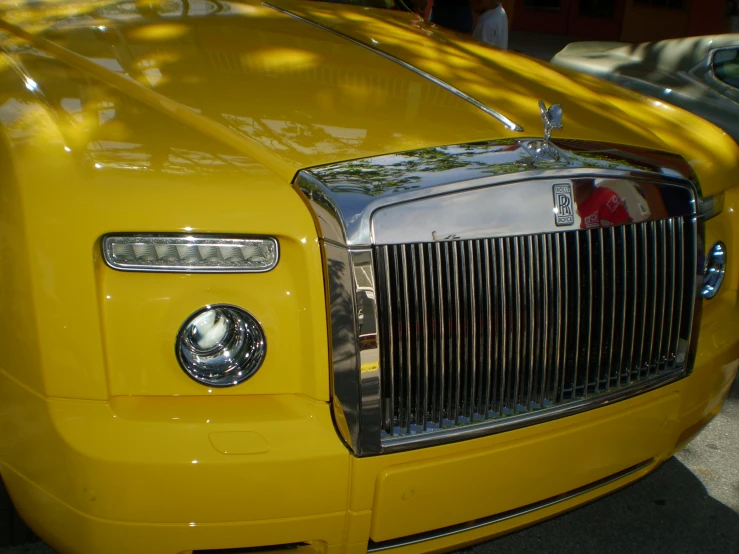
(114, 243)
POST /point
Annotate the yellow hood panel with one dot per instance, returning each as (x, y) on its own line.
(292, 95)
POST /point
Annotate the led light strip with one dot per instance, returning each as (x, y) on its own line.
(190, 253)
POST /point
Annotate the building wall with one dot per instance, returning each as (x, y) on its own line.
(647, 23)
(708, 17)
(698, 17)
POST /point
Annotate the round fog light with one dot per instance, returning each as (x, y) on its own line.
(221, 346)
(715, 269)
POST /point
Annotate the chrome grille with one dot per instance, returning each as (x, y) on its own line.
(475, 331)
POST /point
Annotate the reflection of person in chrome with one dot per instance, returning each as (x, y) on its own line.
(598, 206)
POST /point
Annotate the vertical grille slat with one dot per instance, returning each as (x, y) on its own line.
(439, 399)
(670, 312)
(654, 295)
(481, 349)
(645, 279)
(520, 329)
(663, 279)
(564, 308)
(589, 330)
(624, 274)
(533, 327)
(455, 408)
(485, 329)
(544, 325)
(577, 293)
(432, 387)
(423, 394)
(450, 361)
(405, 420)
(613, 294)
(598, 365)
(634, 291)
(386, 323)
(468, 364)
(505, 277)
(490, 356)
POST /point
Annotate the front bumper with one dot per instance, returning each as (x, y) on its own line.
(173, 475)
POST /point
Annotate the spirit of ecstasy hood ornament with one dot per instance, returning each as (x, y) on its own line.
(543, 152)
(552, 118)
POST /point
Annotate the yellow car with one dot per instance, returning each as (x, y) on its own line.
(292, 274)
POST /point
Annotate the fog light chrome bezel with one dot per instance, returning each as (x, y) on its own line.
(238, 367)
(714, 270)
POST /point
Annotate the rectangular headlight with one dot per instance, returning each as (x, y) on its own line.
(190, 253)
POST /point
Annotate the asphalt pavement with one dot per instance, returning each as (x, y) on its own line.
(690, 505)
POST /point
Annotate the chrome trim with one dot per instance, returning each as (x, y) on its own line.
(673, 289)
(499, 518)
(509, 124)
(387, 418)
(681, 275)
(586, 362)
(370, 382)
(710, 72)
(563, 295)
(635, 285)
(518, 208)
(406, 422)
(614, 281)
(494, 427)
(185, 239)
(578, 314)
(244, 349)
(654, 286)
(343, 334)
(356, 377)
(714, 270)
(328, 215)
(346, 200)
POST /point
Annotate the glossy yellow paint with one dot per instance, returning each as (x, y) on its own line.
(512, 84)
(136, 122)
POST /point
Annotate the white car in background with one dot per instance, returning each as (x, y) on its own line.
(698, 74)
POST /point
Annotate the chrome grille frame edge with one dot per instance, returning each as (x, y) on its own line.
(356, 389)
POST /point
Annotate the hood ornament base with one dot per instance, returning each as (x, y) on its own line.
(544, 154)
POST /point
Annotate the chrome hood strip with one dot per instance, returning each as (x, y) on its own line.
(509, 124)
(348, 197)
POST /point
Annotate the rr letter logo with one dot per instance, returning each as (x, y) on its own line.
(563, 205)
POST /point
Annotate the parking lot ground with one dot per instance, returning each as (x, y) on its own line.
(690, 505)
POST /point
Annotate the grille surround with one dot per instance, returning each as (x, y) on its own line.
(494, 351)
(464, 192)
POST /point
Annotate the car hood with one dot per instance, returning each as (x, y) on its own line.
(292, 93)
